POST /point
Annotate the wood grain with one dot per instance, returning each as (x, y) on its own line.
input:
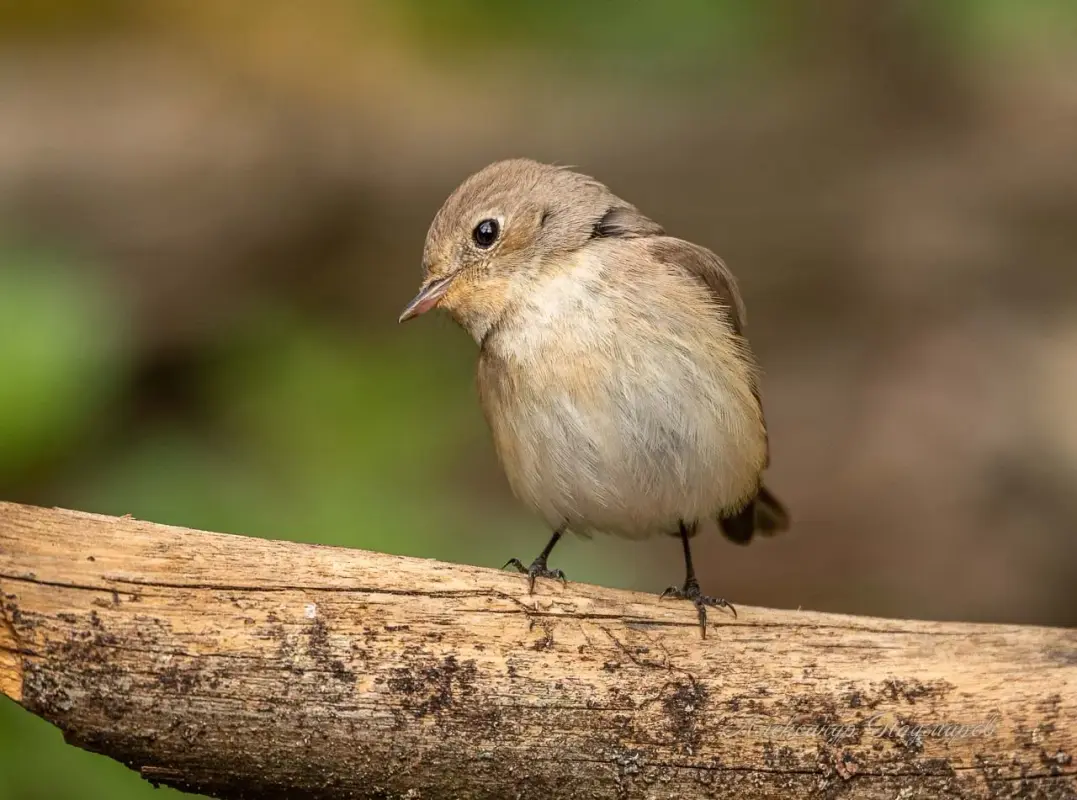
(236, 666)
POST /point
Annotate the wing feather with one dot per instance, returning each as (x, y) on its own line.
(701, 263)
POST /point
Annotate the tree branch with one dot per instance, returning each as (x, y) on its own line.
(237, 666)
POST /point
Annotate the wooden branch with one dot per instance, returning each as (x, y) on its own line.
(240, 667)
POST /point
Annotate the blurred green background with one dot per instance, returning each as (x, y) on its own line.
(211, 214)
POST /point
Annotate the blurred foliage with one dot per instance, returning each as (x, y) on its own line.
(35, 764)
(307, 435)
(47, 18)
(641, 35)
(994, 23)
(60, 355)
(646, 33)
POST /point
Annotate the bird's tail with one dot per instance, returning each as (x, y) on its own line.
(765, 515)
(771, 515)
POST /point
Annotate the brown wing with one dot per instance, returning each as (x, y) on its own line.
(764, 514)
(624, 221)
(701, 263)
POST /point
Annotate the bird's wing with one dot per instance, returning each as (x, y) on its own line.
(701, 263)
(624, 221)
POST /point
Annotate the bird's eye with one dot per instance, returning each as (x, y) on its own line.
(485, 233)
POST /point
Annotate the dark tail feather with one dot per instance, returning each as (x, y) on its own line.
(771, 515)
(765, 515)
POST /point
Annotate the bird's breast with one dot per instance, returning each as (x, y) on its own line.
(618, 423)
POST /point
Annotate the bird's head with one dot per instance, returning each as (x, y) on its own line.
(502, 228)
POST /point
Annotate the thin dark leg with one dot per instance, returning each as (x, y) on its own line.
(538, 568)
(690, 590)
(689, 570)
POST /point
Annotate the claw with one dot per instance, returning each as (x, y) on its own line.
(537, 569)
(690, 591)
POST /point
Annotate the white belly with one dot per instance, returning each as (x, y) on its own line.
(625, 443)
(634, 461)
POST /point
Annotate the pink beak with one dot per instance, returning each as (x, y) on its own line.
(426, 299)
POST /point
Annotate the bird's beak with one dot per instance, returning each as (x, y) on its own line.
(426, 299)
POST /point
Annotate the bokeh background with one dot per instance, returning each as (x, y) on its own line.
(211, 214)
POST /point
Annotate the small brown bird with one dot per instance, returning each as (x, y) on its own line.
(614, 371)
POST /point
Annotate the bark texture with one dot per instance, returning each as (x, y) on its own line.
(241, 667)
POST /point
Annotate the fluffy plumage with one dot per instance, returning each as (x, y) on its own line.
(614, 371)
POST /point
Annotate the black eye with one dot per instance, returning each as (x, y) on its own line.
(485, 233)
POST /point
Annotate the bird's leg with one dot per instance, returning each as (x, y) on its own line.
(538, 568)
(690, 590)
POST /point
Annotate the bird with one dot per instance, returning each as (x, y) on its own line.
(614, 370)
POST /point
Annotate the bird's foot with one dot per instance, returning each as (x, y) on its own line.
(690, 591)
(538, 569)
